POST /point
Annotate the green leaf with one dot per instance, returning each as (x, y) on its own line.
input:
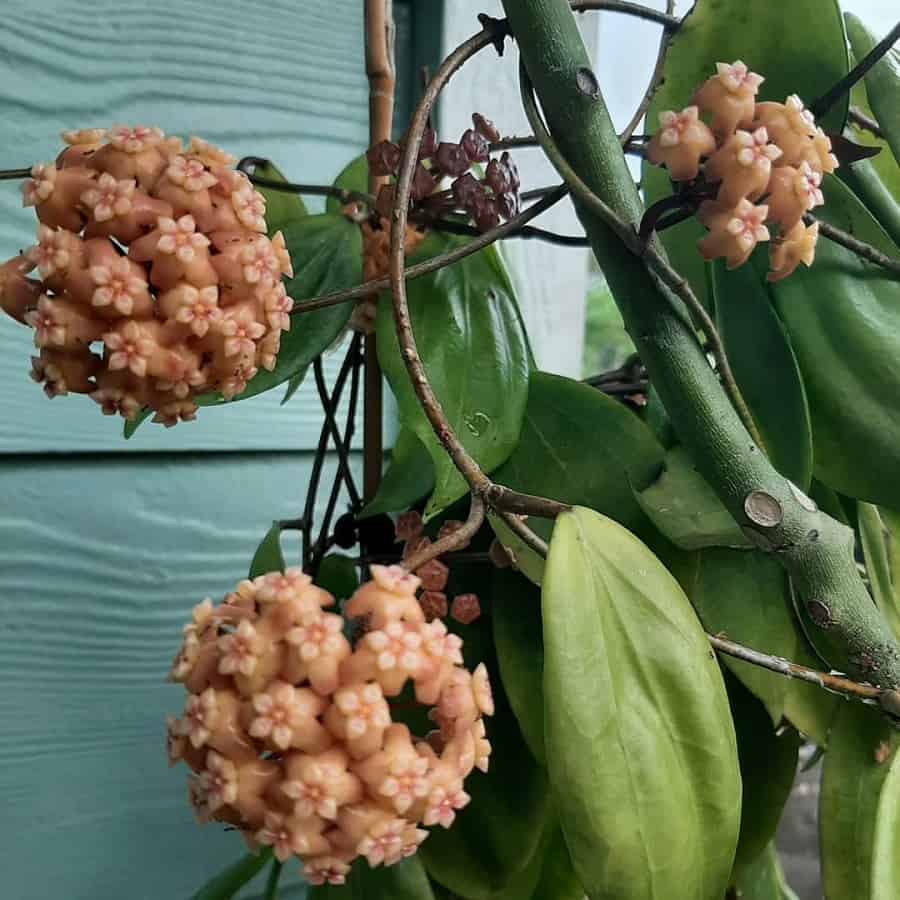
(282, 207)
(859, 816)
(581, 447)
(338, 575)
(765, 368)
(353, 177)
(518, 638)
(776, 45)
(764, 879)
(882, 81)
(744, 595)
(473, 346)
(228, 882)
(843, 318)
(558, 880)
(409, 477)
(768, 763)
(294, 383)
(268, 556)
(875, 181)
(497, 834)
(877, 544)
(639, 737)
(685, 509)
(132, 425)
(405, 880)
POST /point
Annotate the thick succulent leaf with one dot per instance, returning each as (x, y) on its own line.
(768, 761)
(268, 556)
(409, 477)
(640, 742)
(338, 575)
(474, 349)
(859, 812)
(326, 251)
(882, 81)
(771, 42)
(878, 545)
(765, 368)
(495, 837)
(132, 425)
(843, 318)
(764, 879)
(518, 639)
(875, 181)
(685, 508)
(228, 882)
(353, 177)
(581, 447)
(282, 207)
(558, 880)
(744, 596)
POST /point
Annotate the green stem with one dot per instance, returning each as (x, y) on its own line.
(272, 881)
(816, 550)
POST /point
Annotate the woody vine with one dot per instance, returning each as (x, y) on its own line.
(650, 596)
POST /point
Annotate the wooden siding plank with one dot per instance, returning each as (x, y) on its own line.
(101, 565)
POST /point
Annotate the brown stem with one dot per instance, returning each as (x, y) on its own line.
(456, 540)
(655, 79)
(631, 9)
(860, 248)
(380, 35)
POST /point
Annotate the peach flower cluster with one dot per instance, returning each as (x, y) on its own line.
(288, 726)
(769, 152)
(435, 574)
(155, 279)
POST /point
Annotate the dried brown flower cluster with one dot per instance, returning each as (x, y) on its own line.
(487, 198)
(435, 574)
(288, 728)
(156, 257)
(772, 152)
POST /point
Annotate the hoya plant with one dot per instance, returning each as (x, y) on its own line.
(571, 641)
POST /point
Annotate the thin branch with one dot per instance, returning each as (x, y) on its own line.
(655, 79)
(437, 262)
(249, 163)
(479, 483)
(831, 96)
(859, 118)
(835, 683)
(655, 261)
(449, 226)
(14, 174)
(860, 248)
(630, 9)
(517, 526)
(449, 542)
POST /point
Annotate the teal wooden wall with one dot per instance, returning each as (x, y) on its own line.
(106, 545)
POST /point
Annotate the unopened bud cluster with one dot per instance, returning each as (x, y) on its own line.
(288, 726)
(769, 152)
(156, 281)
(487, 199)
(435, 574)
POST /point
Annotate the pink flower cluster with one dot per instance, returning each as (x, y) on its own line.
(769, 152)
(156, 281)
(435, 574)
(288, 726)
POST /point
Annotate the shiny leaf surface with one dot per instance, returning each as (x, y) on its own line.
(268, 556)
(639, 738)
(471, 340)
(409, 477)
